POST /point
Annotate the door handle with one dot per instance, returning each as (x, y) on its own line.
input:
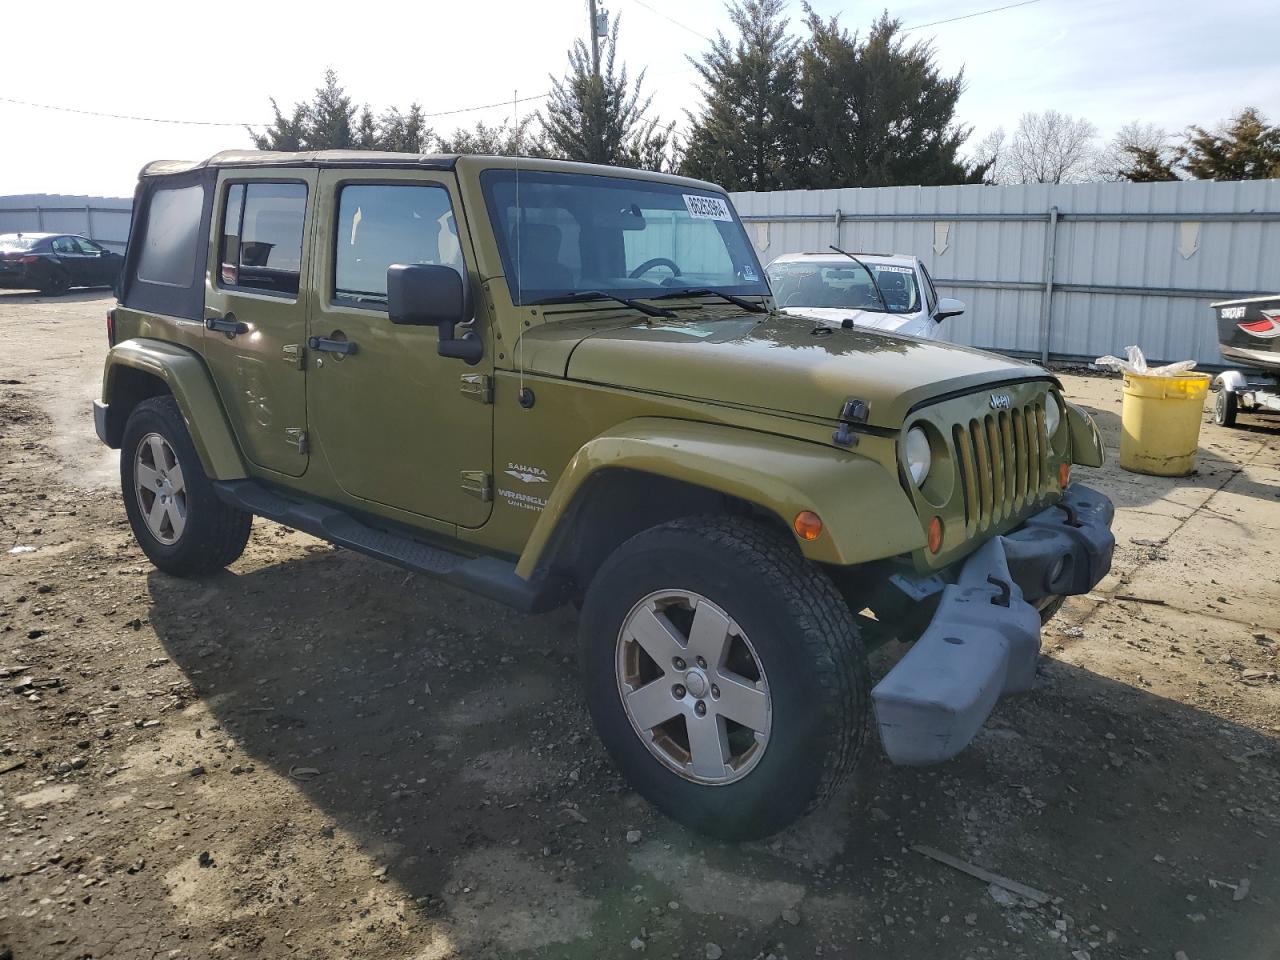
(227, 324)
(326, 345)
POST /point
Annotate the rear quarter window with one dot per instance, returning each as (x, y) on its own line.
(171, 236)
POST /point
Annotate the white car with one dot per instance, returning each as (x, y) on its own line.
(890, 292)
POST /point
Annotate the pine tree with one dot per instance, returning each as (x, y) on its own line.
(405, 132)
(285, 133)
(743, 138)
(503, 139)
(877, 112)
(331, 117)
(1244, 148)
(601, 119)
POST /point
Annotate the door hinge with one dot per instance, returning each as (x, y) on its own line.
(478, 484)
(294, 355)
(297, 438)
(478, 387)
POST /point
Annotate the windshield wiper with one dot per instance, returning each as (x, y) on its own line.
(708, 292)
(884, 304)
(582, 295)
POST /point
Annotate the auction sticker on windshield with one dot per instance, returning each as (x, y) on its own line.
(707, 208)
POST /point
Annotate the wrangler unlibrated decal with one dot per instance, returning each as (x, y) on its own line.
(1268, 328)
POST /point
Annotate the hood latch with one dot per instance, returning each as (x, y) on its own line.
(853, 411)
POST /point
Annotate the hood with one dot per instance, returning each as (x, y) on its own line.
(787, 365)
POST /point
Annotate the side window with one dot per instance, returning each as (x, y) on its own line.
(88, 247)
(171, 236)
(261, 244)
(65, 245)
(381, 224)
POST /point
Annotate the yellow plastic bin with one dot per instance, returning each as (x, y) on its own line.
(1160, 423)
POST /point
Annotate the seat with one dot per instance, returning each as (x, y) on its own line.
(536, 248)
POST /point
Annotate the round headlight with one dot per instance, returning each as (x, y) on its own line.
(919, 457)
(1052, 415)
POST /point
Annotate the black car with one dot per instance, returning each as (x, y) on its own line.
(53, 263)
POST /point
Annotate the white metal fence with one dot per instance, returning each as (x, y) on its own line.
(1055, 271)
(105, 219)
(1047, 271)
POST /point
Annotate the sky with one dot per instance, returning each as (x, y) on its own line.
(1169, 62)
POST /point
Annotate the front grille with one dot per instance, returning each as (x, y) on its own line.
(1003, 465)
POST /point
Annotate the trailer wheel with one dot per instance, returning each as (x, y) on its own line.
(1225, 407)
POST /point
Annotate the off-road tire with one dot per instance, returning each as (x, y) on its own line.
(804, 636)
(215, 533)
(1225, 407)
(56, 284)
(1048, 612)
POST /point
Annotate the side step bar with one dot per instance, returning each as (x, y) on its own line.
(487, 576)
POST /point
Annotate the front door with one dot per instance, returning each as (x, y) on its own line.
(255, 311)
(399, 425)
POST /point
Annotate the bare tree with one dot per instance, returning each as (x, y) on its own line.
(1050, 147)
(1138, 151)
(989, 152)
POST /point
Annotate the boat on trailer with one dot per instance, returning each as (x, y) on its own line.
(1249, 334)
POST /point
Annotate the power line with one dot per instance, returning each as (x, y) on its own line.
(967, 16)
(220, 123)
(682, 26)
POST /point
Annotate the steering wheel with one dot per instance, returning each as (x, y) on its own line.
(655, 262)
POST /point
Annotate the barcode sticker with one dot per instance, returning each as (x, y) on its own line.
(707, 208)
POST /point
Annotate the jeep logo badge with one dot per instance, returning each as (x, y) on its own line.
(999, 401)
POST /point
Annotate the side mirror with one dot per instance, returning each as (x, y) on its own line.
(948, 307)
(431, 295)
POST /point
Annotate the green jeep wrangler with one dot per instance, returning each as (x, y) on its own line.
(550, 382)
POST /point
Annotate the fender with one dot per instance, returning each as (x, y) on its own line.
(865, 513)
(1232, 381)
(1086, 442)
(187, 378)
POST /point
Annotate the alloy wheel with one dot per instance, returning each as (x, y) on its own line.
(693, 687)
(161, 490)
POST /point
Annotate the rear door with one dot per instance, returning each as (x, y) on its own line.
(77, 266)
(256, 307)
(98, 266)
(397, 423)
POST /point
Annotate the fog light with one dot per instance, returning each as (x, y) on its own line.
(1064, 474)
(808, 525)
(935, 534)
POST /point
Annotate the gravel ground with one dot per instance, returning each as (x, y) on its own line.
(315, 755)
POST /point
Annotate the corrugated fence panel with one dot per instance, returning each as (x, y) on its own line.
(1132, 262)
(104, 219)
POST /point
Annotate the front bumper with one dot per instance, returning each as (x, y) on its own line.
(984, 639)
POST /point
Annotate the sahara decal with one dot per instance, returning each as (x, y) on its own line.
(526, 474)
(1266, 328)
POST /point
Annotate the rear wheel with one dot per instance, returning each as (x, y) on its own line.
(1225, 407)
(57, 284)
(724, 673)
(177, 519)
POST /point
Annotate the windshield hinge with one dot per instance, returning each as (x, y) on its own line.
(477, 387)
(297, 438)
(478, 484)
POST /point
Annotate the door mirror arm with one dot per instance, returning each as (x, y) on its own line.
(432, 295)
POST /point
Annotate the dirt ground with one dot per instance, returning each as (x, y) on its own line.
(318, 756)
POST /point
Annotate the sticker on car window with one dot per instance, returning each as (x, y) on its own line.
(749, 273)
(707, 208)
(886, 268)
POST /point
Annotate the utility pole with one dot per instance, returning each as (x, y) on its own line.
(595, 37)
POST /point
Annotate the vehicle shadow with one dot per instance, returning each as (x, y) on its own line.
(446, 735)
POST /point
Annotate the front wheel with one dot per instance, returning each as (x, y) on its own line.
(177, 519)
(724, 673)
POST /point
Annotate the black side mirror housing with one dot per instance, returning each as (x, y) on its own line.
(432, 295)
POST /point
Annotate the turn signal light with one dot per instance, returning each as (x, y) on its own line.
(807, 524)
(1064, 474)
(935, 534)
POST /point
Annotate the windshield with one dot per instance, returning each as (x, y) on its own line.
(15, 241)
(623, 237)
(843, 283)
